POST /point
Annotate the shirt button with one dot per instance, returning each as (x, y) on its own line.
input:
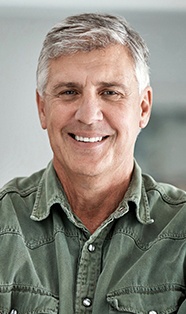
(87, 302)
(153, 312)
(91, 248)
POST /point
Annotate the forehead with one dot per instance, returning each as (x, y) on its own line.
(114, 60)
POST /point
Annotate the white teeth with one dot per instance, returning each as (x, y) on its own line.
(88, 139)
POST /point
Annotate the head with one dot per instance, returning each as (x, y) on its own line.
(93, 95)
(87, 32)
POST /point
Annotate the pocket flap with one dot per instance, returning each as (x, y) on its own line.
(26, 302)
(142, 300)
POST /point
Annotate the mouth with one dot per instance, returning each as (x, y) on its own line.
(88, 139)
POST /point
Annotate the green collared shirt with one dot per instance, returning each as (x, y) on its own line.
(133, 263)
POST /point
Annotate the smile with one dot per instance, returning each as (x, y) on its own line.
(88, 139)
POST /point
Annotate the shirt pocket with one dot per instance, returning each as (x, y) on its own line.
(26, 302)
(156, 301)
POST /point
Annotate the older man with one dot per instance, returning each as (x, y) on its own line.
(90, 233)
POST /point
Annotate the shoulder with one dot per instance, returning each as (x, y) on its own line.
(18, 196)
(167, 207)
(168, 193)
(21, 186)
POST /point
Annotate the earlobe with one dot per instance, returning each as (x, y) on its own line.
(146, 106)
(41, 109)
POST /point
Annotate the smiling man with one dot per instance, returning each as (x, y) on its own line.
(90, 233)
(93, 112)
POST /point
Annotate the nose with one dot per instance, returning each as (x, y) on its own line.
(89, 110)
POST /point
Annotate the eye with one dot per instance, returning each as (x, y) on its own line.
(109, 93)
(67, 93)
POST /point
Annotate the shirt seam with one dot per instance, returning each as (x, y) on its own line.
(167, 236)
(4, 288)
(169, 200)
(22, 193)
(148, 289)
(35, 244)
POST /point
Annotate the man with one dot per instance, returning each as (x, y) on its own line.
(90, 233)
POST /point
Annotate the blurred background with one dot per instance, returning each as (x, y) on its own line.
(161, 147)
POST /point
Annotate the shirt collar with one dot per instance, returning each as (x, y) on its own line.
(136, 196)
(51, 192)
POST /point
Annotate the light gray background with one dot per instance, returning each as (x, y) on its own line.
(24, 147)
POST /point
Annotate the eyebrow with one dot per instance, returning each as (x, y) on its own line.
(64, 84)
(101, 84)
(112, 83)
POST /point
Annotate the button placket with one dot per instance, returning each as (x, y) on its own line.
(88, 272)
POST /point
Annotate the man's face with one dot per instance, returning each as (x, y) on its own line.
(93, 111)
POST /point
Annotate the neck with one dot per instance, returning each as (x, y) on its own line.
(94, 198)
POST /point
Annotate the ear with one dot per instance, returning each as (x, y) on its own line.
(41, 109)
(146, 106)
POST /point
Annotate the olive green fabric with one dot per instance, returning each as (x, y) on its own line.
(50, 263)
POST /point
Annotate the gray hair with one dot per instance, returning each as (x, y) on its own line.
(89, 31)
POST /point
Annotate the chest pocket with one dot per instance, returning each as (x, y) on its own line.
(25, 302)
(156, 301)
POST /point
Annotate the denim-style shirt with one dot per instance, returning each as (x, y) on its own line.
(135, 262)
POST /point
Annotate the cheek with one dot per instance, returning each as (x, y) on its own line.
(115, 117)
(128, 129)
(56, 118)
(123, 120)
